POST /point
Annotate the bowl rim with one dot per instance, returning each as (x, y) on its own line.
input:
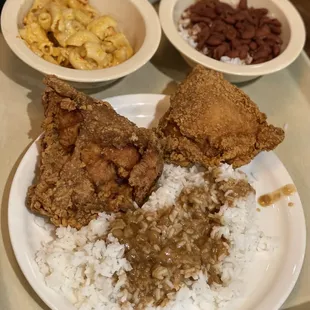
(142, 56)
(292, 51)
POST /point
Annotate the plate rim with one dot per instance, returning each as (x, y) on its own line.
(155, 98)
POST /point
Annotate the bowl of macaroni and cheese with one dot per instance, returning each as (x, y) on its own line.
(87, 42)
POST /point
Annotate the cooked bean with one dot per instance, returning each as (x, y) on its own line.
(219, 26)
(235, 43)
(265, 20)
(198, 18)
(233, 53)
(223, 8)
(231, 33)
(262, 32)
(243, 4)
(209, 12)
(243, 51)
(260, 12)
(240, 16)
(215, 39)
(229, 19)
(274, 38)
(253, 45)
(248, 32)
(220, 50)
(262, 52)
(203, 36)
(275, 22)
(259, 60)
(275, 29)
(276, 50)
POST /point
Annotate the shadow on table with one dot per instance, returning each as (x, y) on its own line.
(161, 108)
(169, 61)
(305, 306)
(31, 80)
(6, 237)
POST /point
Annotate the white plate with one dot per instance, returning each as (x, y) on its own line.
(272, 275)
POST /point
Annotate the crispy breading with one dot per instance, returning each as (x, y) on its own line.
(92, 159)
(212, 121)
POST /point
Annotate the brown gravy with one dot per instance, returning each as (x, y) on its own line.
(169, 246)
(271, 198)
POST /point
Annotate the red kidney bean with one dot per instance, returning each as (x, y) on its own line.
(243, 54)
(262, 32)
(260, 42)
(231, 33)
(240, 16)
(275, 29)
(202, 25)
(239, 25)
(235, 43)
(220, 50)
(248, 32)
(274, 38)
(264, 20)
(253, 45)
(209, 12)
(243, 4)
(232, 54)
(219, 26)
(262, 52)
(252, 19)
(223, 8)
(203, 36)
(198, 7)
(229, 19)
(259, 60)
(259, 12)
(275, 22)
(215, 40)
(245, 41)
(276, 50)
(243, 51)
(195, 18)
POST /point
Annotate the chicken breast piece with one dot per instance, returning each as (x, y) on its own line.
(89, 159)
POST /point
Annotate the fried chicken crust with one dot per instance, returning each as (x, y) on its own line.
(211, 121)
(91, 159)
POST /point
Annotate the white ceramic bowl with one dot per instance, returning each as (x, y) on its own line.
(293, 36)
(136, 18)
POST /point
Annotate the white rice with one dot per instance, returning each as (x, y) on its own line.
(80, 267)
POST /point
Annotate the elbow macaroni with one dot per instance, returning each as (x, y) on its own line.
(71, 33)
(102, 26)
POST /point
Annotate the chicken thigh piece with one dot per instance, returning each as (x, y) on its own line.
(211, 121)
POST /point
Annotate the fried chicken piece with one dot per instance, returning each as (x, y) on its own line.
(92, 159)
(211, 121)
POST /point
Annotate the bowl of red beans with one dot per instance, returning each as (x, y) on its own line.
(243, 39)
